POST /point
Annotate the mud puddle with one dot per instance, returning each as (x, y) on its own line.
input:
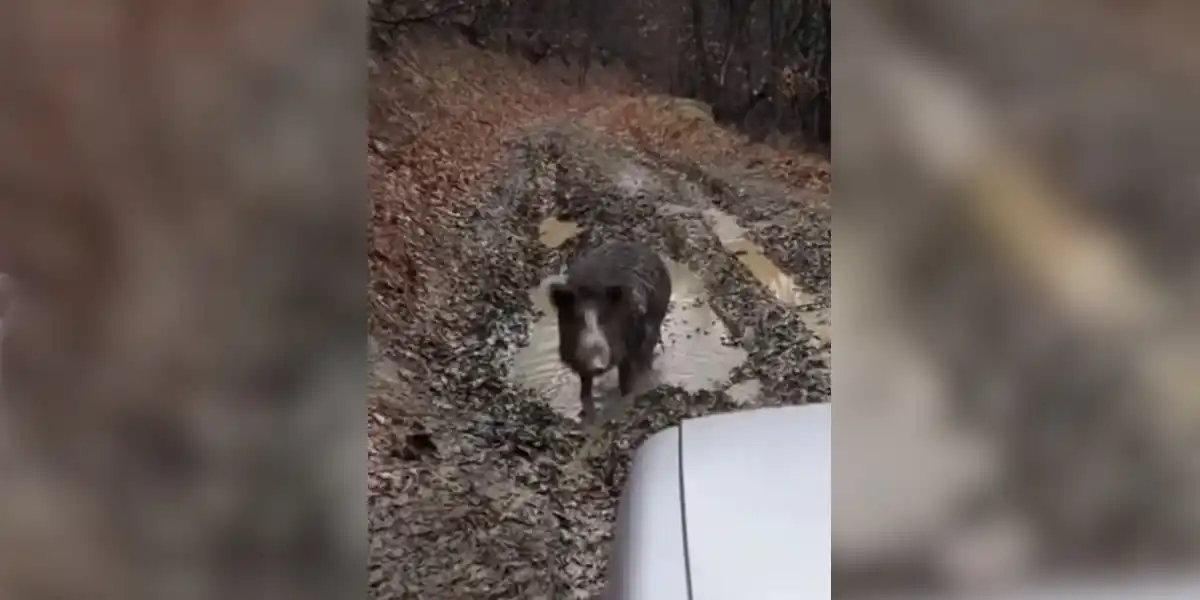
(554, 232)
(735, 241)
(695, 354)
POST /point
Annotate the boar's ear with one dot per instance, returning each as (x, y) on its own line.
(614, 293)
(561, 295)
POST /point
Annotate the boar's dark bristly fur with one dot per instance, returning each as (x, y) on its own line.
(610, 313)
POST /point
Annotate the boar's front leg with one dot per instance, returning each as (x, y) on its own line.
(626, 374)
(586, 399)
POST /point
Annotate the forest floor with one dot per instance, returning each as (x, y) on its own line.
(487, 175)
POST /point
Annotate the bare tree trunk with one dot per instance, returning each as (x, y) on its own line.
(738, 18)
(773, 27)
(776, 63)
(701, 41)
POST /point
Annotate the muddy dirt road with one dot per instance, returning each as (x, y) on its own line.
(481, 485)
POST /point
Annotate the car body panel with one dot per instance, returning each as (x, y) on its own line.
(755, 503)
(757, 489)
(753, 490)
(646, 559)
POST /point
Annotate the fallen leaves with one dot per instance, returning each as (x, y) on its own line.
(683, 129)
(440, 113)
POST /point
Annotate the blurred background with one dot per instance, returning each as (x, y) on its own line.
(181, 218)
(1017, 394)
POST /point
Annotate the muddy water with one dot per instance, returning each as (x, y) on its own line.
(692, 357)
(554, 232)
(734, 239)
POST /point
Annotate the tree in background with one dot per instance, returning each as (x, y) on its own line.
(764, 65)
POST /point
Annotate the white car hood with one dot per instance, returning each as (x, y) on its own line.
(756, 503)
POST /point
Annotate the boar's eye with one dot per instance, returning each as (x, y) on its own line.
(614, 293)
(561, 296)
